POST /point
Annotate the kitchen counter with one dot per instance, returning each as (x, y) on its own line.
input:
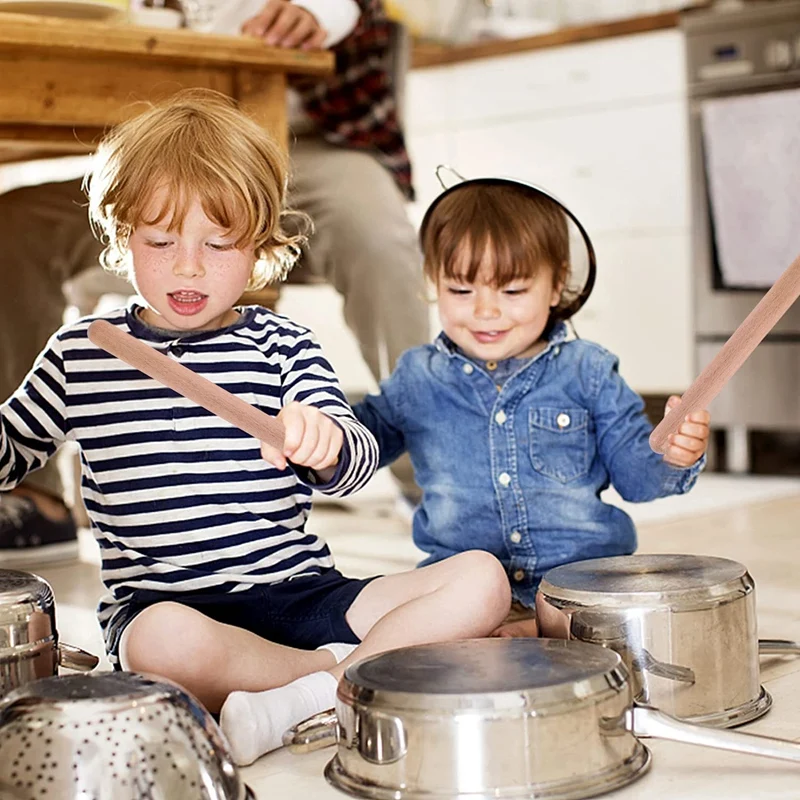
(429, 54)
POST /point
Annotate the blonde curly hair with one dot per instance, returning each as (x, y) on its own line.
(196, 144)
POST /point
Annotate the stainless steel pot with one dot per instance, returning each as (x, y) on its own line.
(112, 735)
(499, 718)
(29, 646)
(684, 625)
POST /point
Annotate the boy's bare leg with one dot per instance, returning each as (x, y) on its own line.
(466, 596)
(463, 597)
(209, 658)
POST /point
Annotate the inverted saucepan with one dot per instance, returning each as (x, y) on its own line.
(498, 718)
(29, 645)
(684, 625)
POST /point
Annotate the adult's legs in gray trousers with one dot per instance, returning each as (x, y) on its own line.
(46, 242)
(363, 244)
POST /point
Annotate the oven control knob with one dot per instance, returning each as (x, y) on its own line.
(778, 54)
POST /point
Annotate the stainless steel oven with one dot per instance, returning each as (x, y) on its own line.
(749, 50)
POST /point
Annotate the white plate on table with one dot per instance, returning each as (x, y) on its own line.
(70, 9)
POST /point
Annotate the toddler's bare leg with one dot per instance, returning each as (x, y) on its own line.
(209, 658)
(521, 629)
(521, 622)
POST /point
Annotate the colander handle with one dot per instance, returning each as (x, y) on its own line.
(75, 658)
(313, 733)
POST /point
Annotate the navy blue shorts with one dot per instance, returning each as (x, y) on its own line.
(303, 612)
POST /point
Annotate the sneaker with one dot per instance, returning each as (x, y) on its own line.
(28, 537)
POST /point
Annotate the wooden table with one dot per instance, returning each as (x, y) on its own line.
(65, 81)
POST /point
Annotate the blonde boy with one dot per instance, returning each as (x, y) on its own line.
(213, 579)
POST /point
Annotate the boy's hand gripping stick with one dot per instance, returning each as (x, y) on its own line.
(187, 383)
(710, 382)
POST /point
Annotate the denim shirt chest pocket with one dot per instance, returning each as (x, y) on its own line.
(560, 446)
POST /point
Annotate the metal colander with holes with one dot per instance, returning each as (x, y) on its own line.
(112, 735)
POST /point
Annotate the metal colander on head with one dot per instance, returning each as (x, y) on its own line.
(112, 735)
(582, 259)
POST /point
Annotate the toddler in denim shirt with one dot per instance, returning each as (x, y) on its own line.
(513, 428)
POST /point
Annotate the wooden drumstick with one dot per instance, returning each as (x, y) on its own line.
(195, 387)
(710, 382)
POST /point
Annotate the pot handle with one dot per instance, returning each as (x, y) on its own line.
(672, 672)
(644, 721)
(778, 647)
(75, 658)
(313, 733)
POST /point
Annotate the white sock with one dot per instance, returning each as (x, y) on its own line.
(340, 651)
(254, 722)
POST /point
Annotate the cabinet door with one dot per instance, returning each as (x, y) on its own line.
(621, 169)
(428, 100)
(427, 152)
(640, 309)
(588, 75)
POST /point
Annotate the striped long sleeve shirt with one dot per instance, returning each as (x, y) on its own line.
(179, 499)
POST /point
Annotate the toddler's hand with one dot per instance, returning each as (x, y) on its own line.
(687, 445)
(312, 439)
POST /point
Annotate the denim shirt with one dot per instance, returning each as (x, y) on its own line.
(518, 469)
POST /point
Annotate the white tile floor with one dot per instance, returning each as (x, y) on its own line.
(752, 520)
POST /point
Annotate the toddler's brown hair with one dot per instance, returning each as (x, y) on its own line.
(524, 230)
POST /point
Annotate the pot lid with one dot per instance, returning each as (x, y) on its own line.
(485, 673)
(648, 580)
(23, 587)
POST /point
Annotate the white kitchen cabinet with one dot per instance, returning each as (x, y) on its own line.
(617, 169)
(427, 151)
(428, 104)
(578, 76)
(602, 125)
(639, 310)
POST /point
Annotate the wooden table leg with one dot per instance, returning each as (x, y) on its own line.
(262, 95)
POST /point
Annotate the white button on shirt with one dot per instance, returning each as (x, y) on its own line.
(500, 417)
(504, 478)
(515, 537)
(468, 368)
(563, 420)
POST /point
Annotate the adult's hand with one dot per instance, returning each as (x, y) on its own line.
(283, 24)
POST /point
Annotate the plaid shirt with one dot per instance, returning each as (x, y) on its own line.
(355, 107)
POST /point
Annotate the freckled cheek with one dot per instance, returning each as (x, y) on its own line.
(150, 261)
(231, 269)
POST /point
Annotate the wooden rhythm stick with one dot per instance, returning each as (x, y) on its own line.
(195, 387)
(710, 382)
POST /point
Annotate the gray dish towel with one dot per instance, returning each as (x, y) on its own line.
(752, 149)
